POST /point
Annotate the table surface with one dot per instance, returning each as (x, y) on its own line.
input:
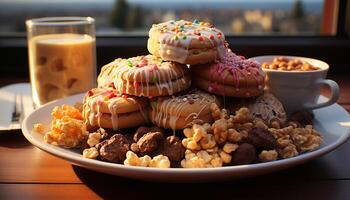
(29, 173)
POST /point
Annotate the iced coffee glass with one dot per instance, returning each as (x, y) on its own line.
(62, 56)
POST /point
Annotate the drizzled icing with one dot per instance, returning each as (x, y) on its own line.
(175, 38)
(240, 69)
(141, 72)
(94, 99)
(168, 111)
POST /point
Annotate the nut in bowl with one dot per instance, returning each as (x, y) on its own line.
(296, 81)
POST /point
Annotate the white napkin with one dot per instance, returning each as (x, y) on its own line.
(7, 102)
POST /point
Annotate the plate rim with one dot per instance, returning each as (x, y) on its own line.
(91, 163)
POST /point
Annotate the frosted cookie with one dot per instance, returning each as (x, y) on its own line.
(231, 76)
(266, 107)
(147, 76)
(186, 42)
(106, 108)
(182, 111)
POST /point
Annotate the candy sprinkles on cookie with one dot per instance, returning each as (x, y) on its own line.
(176, 39)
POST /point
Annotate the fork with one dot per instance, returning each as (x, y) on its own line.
(17, 113)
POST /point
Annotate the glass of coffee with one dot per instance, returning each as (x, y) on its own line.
(62, 56)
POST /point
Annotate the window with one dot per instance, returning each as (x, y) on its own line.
(234, 17)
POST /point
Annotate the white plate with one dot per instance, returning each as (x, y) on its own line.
(326, 121)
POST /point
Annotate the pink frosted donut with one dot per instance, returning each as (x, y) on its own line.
(231, 76)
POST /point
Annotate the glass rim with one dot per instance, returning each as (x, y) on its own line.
(60, 21)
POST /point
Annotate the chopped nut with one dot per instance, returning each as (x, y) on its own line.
(226, 158)
(39, 128)
(94, 138)
(208, 142)
(91, 153)
(160, 161)
(229, 148)
(270, 155)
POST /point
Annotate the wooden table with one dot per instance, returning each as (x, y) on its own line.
(29, 173)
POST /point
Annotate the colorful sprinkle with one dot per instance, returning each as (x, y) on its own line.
(154, 79)
(196, 32)
(184, 37)
(211, 36)
(196, 21)
(136, 84)
(154, 104)
(176, 37)
(200, 38)
(125, 96)
(129, 63)
(90, 93)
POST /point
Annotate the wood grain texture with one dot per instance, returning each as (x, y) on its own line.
(245, 189)
(22, 162)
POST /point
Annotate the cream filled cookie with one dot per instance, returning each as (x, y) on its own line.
(186, 42)
(147, 76)
(182, 111)
(106, 108)
(230, 76)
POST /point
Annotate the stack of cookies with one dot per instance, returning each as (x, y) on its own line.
(157, 88)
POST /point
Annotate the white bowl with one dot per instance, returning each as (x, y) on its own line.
(299, 90)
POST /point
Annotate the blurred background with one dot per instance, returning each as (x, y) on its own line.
(310, 28)
(234, 17)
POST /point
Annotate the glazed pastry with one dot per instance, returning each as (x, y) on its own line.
(186, 42)
(231, 76)
(266, 107)
(182, 111)
(106, 108)
(147, 76)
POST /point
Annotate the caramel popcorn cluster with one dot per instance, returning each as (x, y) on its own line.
(67, 127)
(159, 161)
(212, 145)
(236, 139)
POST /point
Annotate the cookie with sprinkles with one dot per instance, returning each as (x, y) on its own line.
(106, 108)
(182, 111)
(147, 76)
(230, 76)
(186, 42)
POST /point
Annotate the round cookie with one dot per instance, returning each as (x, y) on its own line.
(186, 42)
(230, 76)
(106, 108)
(147, 76)
(182, 111)
(266, 107)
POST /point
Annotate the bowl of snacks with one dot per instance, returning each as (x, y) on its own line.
(297, 81)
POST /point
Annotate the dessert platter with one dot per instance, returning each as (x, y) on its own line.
(191, 110)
